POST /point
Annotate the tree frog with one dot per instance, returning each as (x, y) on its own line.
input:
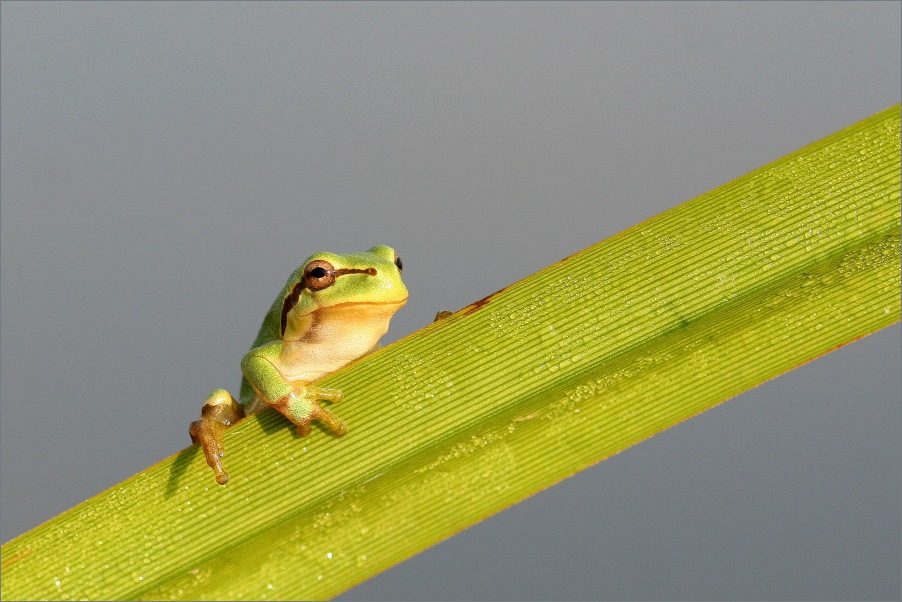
(333, 309)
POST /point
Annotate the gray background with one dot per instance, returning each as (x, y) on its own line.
(166, 166)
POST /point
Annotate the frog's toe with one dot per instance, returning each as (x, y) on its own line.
(330, 395)
(208, 434)
(326, 417)
(222, 477)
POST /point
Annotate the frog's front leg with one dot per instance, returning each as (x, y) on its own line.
(219, 411)
(296, 402)
(302, 408)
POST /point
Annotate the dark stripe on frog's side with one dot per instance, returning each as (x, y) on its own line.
(292, 299)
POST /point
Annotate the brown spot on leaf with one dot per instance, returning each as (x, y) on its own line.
(8, 562)
(478, 304)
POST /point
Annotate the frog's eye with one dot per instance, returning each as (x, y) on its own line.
(318, 275)
(399, 264)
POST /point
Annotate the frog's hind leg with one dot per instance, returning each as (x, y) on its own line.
(219, 412)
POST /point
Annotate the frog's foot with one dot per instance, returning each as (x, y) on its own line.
(219, 411)
(302, 410)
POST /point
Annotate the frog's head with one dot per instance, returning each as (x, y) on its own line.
(357, 286)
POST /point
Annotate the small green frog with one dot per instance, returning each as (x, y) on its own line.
(333, 309)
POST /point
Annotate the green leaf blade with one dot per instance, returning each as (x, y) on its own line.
(511, 394)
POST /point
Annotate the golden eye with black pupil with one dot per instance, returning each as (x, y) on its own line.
(319, 274)
(399, 264)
